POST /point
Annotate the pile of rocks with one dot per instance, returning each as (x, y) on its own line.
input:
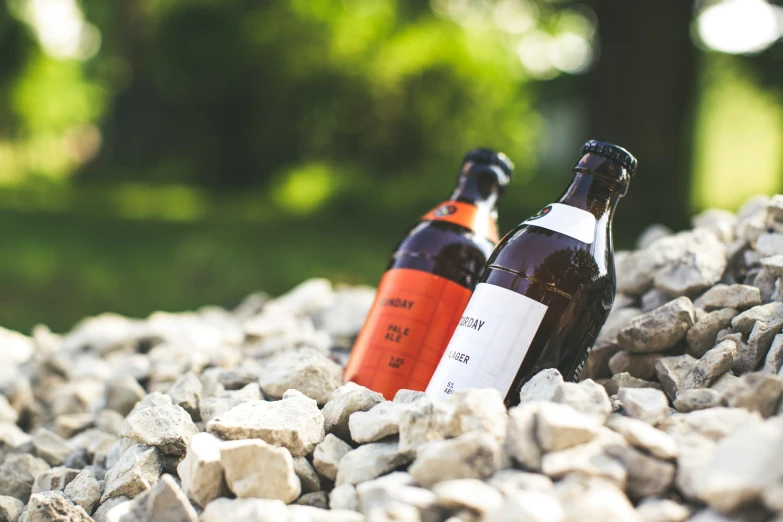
(242, 415)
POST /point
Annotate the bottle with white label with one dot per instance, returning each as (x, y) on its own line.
(548, 287)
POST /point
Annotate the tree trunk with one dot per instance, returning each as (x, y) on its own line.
(640, 96)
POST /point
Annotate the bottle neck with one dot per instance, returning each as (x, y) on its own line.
(592, 193)
(478, 185)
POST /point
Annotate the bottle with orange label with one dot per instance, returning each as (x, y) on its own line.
(432, 273)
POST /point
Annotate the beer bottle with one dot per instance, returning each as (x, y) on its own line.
(547, 289)
(428, 283)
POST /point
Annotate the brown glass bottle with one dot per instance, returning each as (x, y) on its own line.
(547, 289)
(429, 281)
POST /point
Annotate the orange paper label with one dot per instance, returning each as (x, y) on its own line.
(469, 216)
(406, 332)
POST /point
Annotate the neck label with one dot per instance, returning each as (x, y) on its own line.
(565, 219)
(481, 222)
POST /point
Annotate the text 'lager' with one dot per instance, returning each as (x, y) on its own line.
(547, 289)
(422, 295)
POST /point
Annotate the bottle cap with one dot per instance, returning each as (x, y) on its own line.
(498, 159)
(612, 152)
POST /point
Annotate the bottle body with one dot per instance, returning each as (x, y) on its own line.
(543, 298)
(418, 304)
(426, 287)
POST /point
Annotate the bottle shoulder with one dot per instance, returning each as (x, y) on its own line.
(582, 270)
(440, 238)
(444, 249)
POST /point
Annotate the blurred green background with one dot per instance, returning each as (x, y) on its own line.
(164, 154)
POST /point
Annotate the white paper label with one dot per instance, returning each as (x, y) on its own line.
(488, 346)
(568, 220)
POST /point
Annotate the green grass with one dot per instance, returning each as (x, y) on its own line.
(57, 268)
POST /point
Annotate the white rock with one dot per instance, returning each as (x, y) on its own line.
(651, 234)
(122, 394)
(541, 387)
(345, 317)
(768, 313)
(708, 515)
(137, 471)
(101, 513)
(774, 265)
(641, 435)
(644, 404)
(695, 452)
(744, 463)
(211, 407)
(369, 461)
(383, 496)
(168, 428)
(201, 472)
(521, 440)
(7, 412)
(54, 479)
(327, 456)
(419, 425)
(379, 422)
(712, 365)
(700, 267)
(672, 372)
(662, 510)
(254, 468)
(586, 397)
(344, 497)
(294, 423)
(774, 360)
(594, 500)
(404, 396)
(658, 329)
(698, 399)
(511, 481)
(165, 501)
(530, 506)
(317, 499)
(620, 317)
(10, 508)
(50, 447)
(314, 514)
(307, 475)
(245, 510)
(52, 506)
(718, 221)
(304, 369)
(347, 400)
(756, 392)
(590, 459)
(17, 474)
(769, 244)
(713, 423)
(12, 436)
(84, 490)
(186, 393)
(773, 496)
(559, 427)
(470, 494)
(17, 348)
(309, 297)
(738, 297)
(473, 409)
(646, 476)
(472, 455)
